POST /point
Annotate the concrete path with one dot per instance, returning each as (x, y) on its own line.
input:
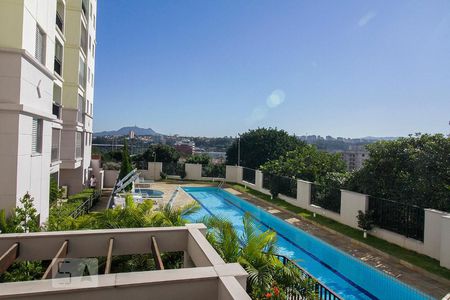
(103, 202)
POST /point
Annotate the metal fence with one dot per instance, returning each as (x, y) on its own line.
(86, 206)
(321, 291)
(405, 219)
(175, 169)
(285, 185)
(249, 175)
(216, 171)
(326, 197)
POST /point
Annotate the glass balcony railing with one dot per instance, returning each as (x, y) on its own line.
(55, 153)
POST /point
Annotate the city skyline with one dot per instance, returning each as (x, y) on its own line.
(349, 69)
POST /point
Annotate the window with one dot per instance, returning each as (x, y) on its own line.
(55, 144)
(89, 75)
(58, 57)
(84, 38)
(82, 73)
(39, 52)
(78, 145)
(80, 109)
(93, 21)
(36, 136)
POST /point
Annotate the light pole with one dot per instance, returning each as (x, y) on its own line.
(239, 150)
(154, 165)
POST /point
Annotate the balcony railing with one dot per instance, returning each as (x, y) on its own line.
(59, 22)
(58, 66)
(56, 110)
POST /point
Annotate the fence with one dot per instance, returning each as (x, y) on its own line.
(405, 219)
(173, 169)
(249, 175)
(86, 205)
(216, 171)
(326, 197)
(284, 185)
(321, 292)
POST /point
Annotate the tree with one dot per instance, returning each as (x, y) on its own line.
(255, 250)
(413, 170)
(260, 146)
(55, 192)
(305, 162)
(164, 154)
(125, 167)
(202, 159)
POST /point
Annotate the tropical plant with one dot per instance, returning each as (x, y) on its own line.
(260, 146)
(255, 251)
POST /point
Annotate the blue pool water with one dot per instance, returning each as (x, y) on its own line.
(149, 193)
(342, 273)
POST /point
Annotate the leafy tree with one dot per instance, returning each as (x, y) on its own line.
(254, 250)
(260, 146)
(164, 154)
(125, 167)
(305, 162)
(55, 192)
(202, 159)
(413, 170)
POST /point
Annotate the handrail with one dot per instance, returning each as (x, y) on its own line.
(85, 206)
(321, 290)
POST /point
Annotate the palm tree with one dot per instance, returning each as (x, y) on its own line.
(254, 250)
(169, 215)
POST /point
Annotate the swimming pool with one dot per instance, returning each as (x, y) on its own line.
(149, 193)
(345, 275)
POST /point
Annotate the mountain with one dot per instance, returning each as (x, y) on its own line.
(126, 130)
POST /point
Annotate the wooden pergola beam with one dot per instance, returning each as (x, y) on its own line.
(156, 254)
(8, 258)
(62, 252)
(109, 256)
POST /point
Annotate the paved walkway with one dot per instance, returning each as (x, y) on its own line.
(103, 202)
(384, 262)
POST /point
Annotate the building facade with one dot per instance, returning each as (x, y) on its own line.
(47, 55)
(354, 157)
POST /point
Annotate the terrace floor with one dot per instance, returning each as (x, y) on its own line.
(421, 280)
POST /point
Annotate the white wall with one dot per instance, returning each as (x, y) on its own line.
(110, 178)
(193, 171)
(154, 170)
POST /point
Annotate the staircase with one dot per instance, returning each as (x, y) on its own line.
(103, 202)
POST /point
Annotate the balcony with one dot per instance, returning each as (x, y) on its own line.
(203, 275)
(59, 22)
(55, 153)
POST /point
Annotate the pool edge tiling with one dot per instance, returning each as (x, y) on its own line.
(348, 276)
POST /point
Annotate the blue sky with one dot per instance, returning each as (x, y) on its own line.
(215, 68)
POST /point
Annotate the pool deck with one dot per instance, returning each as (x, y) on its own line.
(411, 275)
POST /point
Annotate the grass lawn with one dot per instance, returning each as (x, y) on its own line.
(420, 260)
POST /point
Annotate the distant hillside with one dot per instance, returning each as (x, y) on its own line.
(126, 130)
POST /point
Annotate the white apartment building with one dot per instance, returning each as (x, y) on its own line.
(47, 61)
(354, 157)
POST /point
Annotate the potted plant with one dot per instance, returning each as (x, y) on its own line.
(365, 221)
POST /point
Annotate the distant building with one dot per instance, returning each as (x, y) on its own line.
(354, 157)
(131, 134)
(185, 146)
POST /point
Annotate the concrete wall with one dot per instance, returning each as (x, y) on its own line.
(445, 241)
(233, 174)
(193, 171)
(154, 170)
(110, 178)
(351, 203)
